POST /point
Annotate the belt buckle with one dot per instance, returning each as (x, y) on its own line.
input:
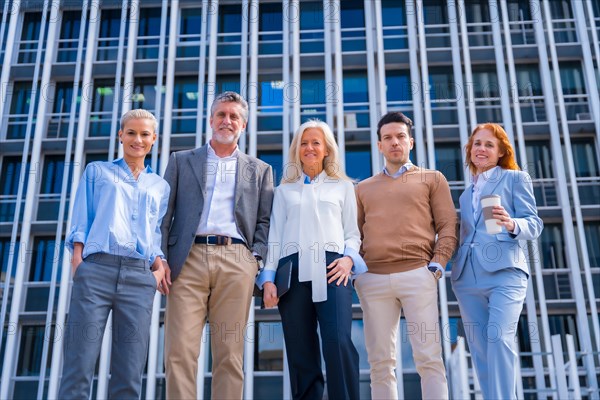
(208, 240)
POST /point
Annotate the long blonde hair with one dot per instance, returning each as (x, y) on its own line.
(331, 163)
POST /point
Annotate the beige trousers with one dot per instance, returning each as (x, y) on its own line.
(216, 282)
(382, 298)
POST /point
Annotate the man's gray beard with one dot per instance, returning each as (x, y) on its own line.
(220, 139)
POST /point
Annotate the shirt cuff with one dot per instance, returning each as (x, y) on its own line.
(359, 266)
(75, 237)
(438, 266)
(267, 275)
(517, 230)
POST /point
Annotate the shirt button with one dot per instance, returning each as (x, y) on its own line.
(472, 245)
(134, 216)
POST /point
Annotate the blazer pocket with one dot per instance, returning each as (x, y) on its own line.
(504, 237)
(172, 240)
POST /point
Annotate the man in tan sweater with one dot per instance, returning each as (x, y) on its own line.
(400, 212)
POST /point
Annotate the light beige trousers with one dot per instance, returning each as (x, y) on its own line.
(216, 282)
(382, 298)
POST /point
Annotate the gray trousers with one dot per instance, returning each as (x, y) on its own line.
(104, 282)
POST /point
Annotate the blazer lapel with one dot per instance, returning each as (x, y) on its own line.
(241, 174)
(489, 188)
(198, 164)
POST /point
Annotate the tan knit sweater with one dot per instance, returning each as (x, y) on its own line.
(399, 218)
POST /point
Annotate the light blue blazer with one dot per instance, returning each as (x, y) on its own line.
(503, 250)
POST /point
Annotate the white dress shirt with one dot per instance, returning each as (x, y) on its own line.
(218, 217)
(479, 181)
(337, 229)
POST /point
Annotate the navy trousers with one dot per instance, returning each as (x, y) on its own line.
(300, 318)
(105, 282)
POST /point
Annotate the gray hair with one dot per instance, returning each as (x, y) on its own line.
(231, 97)
(139, 113)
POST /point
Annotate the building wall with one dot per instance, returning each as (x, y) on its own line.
(71, 68)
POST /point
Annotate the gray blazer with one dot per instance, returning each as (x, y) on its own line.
(186, 174)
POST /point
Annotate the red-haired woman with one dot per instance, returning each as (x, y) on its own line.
(490, 270)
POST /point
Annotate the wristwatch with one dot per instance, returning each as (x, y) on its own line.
(437, 273)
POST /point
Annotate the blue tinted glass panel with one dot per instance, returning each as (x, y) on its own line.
(448, 160)
(312, 89)
(69, 33)
(353, 14)
(42, 259)
(191, 21)
(552, 249)
(30, 352)
(398, 86)
(392, 13)
(311, 15)
(144, 94)
(275, 159)
(269, 355)
(271, 95)
(185, 92)
(355, 87)
(230, 19)
(592, 236)
(54, 168)
(358, 163)
(270, 18)
(11, 172)
(571, 77)
(62, 97)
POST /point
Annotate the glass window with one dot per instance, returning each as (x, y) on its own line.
(571, 77)
(552, 247)
(398, 86)
(185, 103)
(564, 325)
(585, 159)
(313, 95)
(230, 27)
(435, 15)
(108, 35)
(358, 162)
(311, 27)
(9, 186)
(529, 87)
(19, 109)
(103, 100)
(519, 10)
(149, 33)
(189, 32)
(275, 159)
(144, 94)
(270, 103)
(592, 237)
(6, 250)
(478, 23)
(269, 348)
(50, 188)
(352, 25)
(270, 25)
(30, 354)
(30, 35)
(442, 91)
(356, 98)
(42, 259)
(448, 160)
(69, 35)
(393, 17)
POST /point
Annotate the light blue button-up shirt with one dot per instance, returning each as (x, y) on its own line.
(116, 214)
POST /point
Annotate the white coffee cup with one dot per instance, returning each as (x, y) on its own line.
(487, 208)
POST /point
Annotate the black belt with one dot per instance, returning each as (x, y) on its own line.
(217, 240)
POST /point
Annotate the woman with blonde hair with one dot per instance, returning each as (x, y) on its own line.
(314, 225)
(490, 271)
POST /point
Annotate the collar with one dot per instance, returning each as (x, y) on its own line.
(485, 175)
(402, 169)
(304, 179)
(211, 153)
(121, 163)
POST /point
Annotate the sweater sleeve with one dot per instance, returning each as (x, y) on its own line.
(444, 218)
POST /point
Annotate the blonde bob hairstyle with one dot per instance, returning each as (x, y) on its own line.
(331, 164)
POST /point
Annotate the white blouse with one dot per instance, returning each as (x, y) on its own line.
(322, 220)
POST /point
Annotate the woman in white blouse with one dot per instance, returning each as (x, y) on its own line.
(314, 224)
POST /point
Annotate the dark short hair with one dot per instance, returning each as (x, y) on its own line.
(230, 97)
(391, 117)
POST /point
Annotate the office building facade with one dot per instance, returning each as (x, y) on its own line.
(69, 69)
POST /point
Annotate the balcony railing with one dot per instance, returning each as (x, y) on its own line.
(147, 47)
(480, 34)
(311, 41)
(395, 37)
(353, 39)
(229, 44)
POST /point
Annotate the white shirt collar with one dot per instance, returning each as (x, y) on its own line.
(402, 169)
(213, 154)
